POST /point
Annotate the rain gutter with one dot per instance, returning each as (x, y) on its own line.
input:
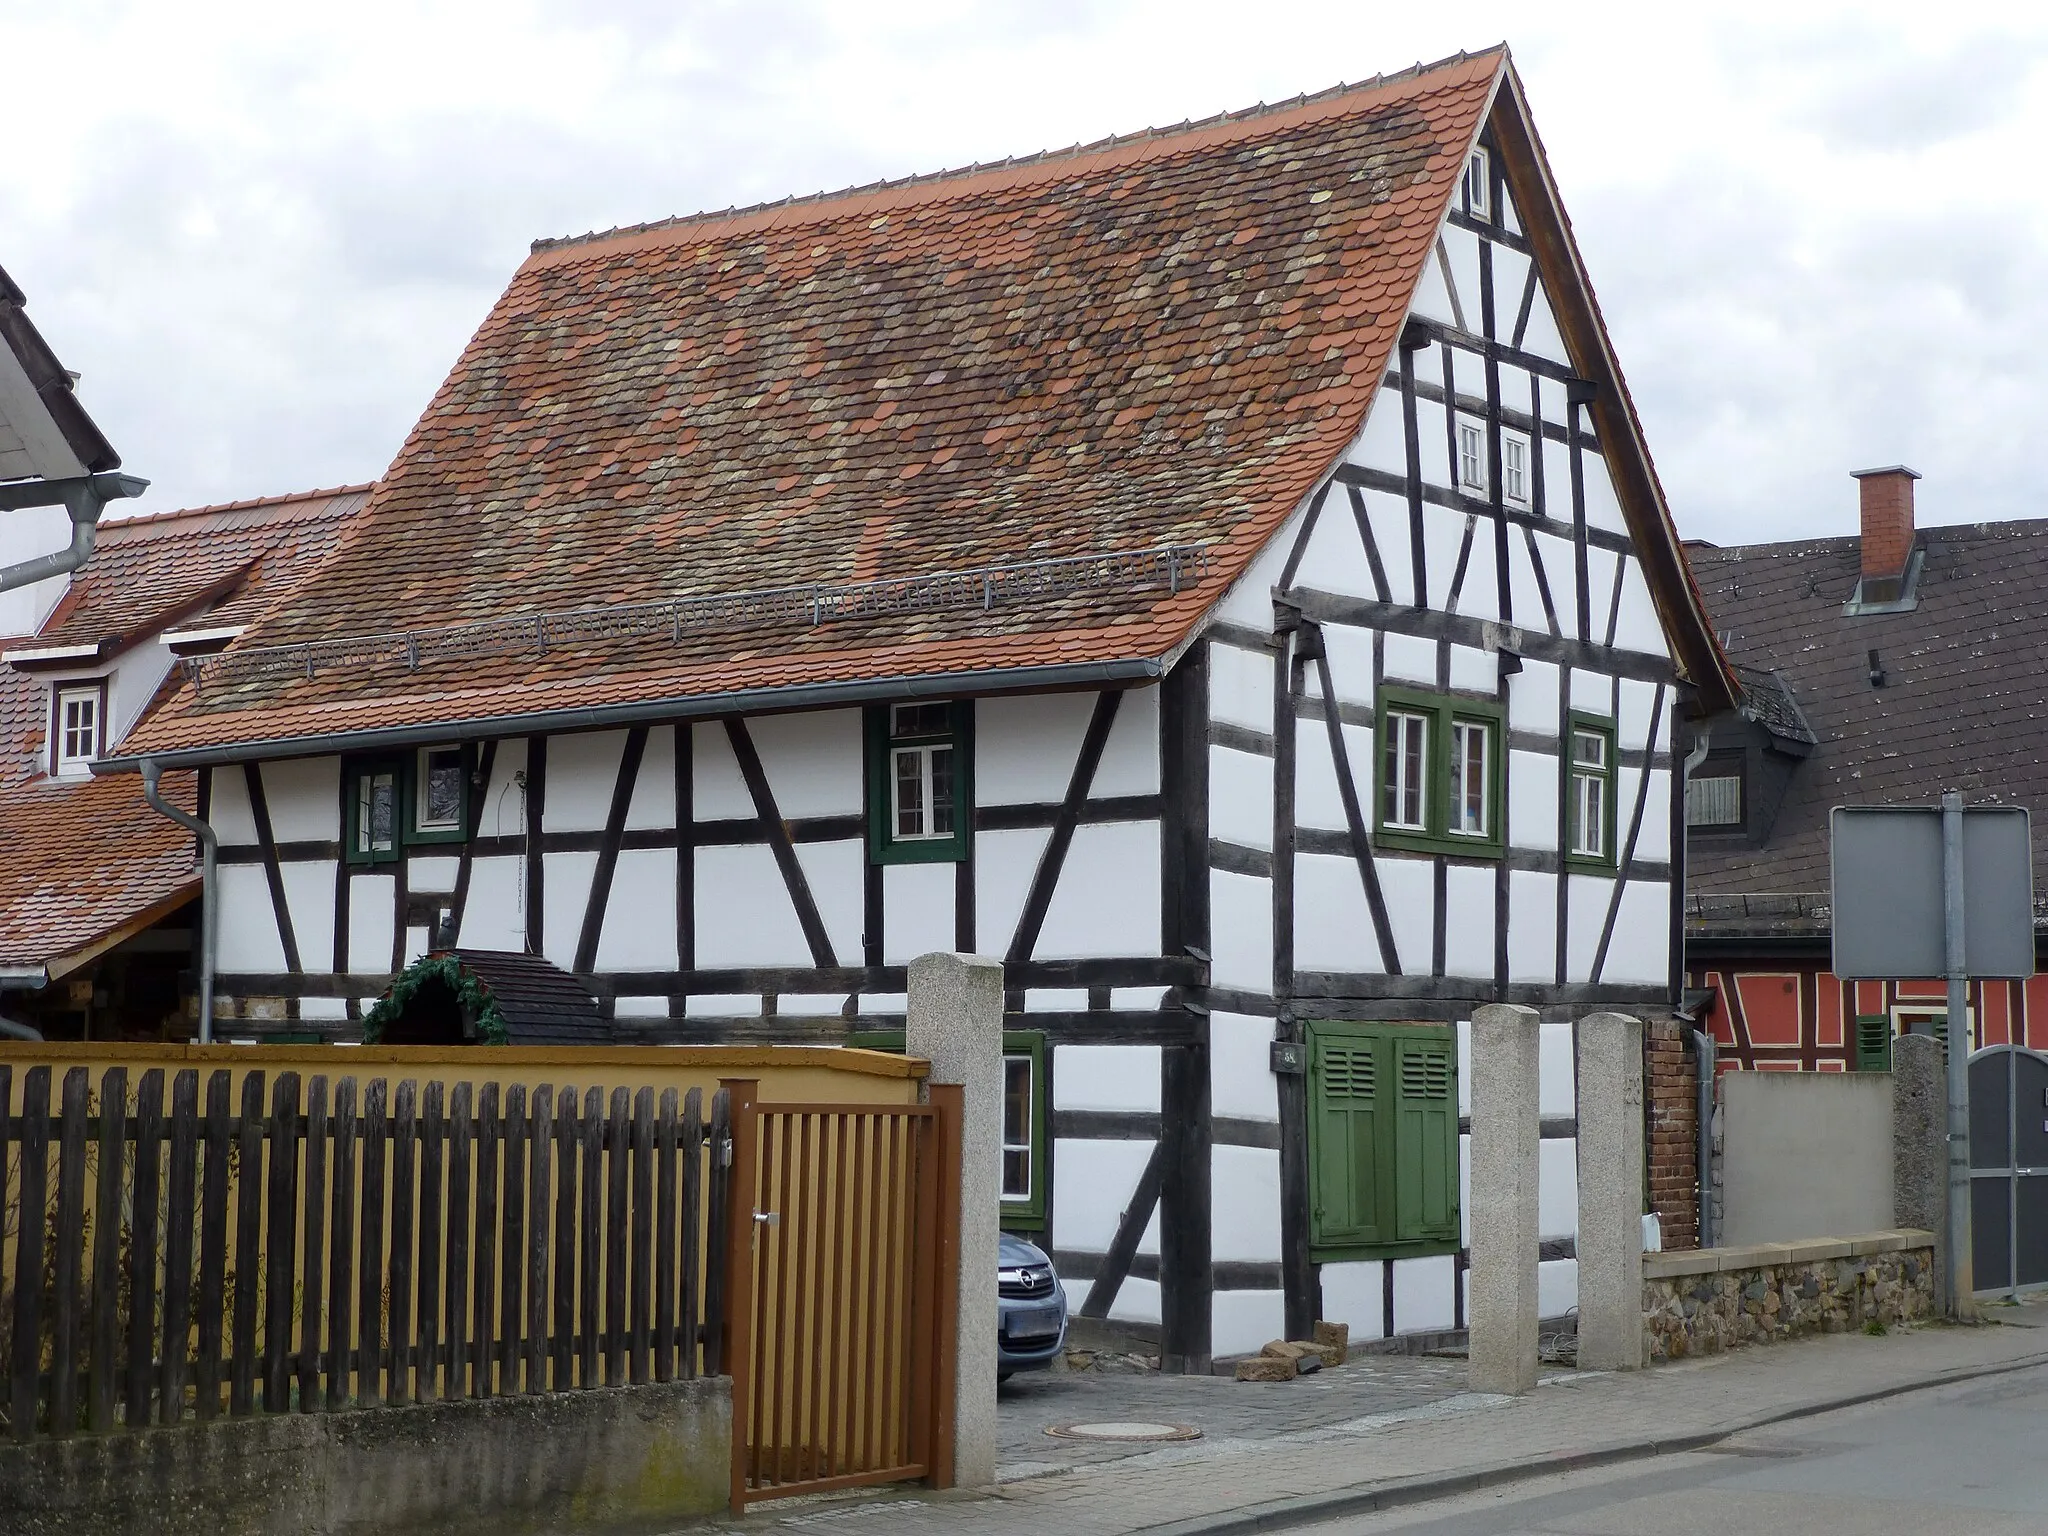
(84, 499)
(209, 920)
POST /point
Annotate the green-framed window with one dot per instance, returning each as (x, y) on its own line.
(1383, 1140)
(920, 782)
(1589, 821)
(1024, 1121)
(390, 802)
(1873, 1042)
(1442, 770)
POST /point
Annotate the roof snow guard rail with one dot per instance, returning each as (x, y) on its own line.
(1011, 584)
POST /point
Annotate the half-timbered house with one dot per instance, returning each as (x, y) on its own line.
(1217, 570)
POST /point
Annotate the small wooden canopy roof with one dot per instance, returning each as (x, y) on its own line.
(485, 997)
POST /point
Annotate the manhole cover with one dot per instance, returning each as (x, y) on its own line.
(1132, 1431)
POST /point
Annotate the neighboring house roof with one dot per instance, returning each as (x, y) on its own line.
(85, 863)
(1964, 703)
(1161, 342)
(1768, 701)
(44, 431)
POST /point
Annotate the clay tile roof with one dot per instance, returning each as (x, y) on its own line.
(82, 861)
(1159, 340)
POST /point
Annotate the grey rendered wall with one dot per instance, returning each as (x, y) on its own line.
(1804, 1155)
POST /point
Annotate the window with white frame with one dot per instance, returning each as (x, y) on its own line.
(1472, 457)
(1019, 1113)
(438, 790)
(1590, 808)
(920, 775)
(1404, 779)
(78, 721)
(1478, 186)
(1514, 468)
(920, 784)
(1471, 778)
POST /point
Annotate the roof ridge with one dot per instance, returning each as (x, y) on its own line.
(148, 518)
(1704, 550)
(1047, 158)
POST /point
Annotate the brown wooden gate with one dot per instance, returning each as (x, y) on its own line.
(842, 1297)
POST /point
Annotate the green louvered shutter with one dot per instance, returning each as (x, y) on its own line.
(1425, 1137)
(1346, 1127)
(1873, 1043)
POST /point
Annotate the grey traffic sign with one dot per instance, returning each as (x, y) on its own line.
(1889, 920)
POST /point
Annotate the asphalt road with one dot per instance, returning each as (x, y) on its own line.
(1971, 1460)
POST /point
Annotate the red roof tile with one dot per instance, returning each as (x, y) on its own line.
(1165, 339)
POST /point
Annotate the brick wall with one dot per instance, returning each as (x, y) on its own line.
(1671, 1101)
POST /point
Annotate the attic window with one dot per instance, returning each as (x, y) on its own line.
(920, 799)
(1472, 457)
(1714, 800)
(1478, 186)
(78, 715)
(1514, 469)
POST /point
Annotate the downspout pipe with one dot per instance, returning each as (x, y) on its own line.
(1703, 1044)
(84, 499)
(17, 1031)
(209, 904)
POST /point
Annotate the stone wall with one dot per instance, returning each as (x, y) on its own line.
(1720, 1298)
(1671, 1101)
(612, 1458)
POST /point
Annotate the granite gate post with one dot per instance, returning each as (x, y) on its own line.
(1502, 1218)
(1610, 1236)
(1920, 1140)
(956, 1023)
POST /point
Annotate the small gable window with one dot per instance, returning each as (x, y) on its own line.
(78, 719)
(920, 799)
(1478, 186)
(1472, 457)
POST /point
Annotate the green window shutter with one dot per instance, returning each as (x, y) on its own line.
(1347, 1088)
(1873, 1043)
(1425, 1140)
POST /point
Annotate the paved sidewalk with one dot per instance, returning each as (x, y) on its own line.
(1273, 1456)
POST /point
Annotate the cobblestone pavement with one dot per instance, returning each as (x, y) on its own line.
(1375, 1424)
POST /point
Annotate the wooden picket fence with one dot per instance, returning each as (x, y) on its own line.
(347, 1248)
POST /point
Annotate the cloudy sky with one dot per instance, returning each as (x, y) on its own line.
(263, 232)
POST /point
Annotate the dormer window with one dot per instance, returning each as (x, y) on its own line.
(1478, 186)
(78, 721)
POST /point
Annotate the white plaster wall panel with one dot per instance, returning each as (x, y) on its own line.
(432, 874)
(878, 1003)
(1332, 923)
(1137, 1301)
(718, 792)
(1479, 597)
(1588, 914)
(1532, 799)
(1410, 891)
(372, 923)
(1524, 594)
(1350, 653)
(1475, 670)
(1432, 298)
(1148, 1240)
(1560, 568)
(1136, 997)
(835, 874)
(1510, 216)
(1557, 1287)
(1095, 1180)
(1241, 686)
(642, 1008)
(1425, 1294)
(1025, 747)
(1392, 533)
(1242, 1321)
(1241, 1081)
(1004, 863)
(1244, 1205)
(1130, 757)
(1432, 436)
(1592, 692)
(309, 898)
(639, 932)
(1468, 938)
(1380, 444)
(1249, 601)
(1317, 802)
(1462, 1030)
(1557, 410)
(1056, 1000)
(1462, 246)
(1510, 276)
(812, 760)
(1123, 1078)
(1532, 926)
(417, 942)
(248, 929)
(1240, 931)
(1653, 840)
(744, 914)
(1638, 628)
(1532, 698)
(1468, 369)
(1641, 948)
(304, 797)
(565, 896)
(1107, 899)
(25, 534)
(722, 1005)
(811, 1005)
(1557, 467)
(324, 1009)
(1632, 724)
(494, 916)
(583, 770)
(504, 810)
(1335, 560)
(654, 790)
(1556, 1070)
(1557, 1187)
(1355, 1294)
(1541, 337)
(1603, 507)
(1240, 798)
(917, 909)
(1443, 535)
(227, 810)
(1601, 567)
(1410, 659)
(131, 683)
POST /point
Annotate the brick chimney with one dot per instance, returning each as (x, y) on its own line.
(1887, 496)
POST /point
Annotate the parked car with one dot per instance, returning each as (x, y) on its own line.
(1031, 1308)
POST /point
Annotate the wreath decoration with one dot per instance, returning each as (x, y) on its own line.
(475, 997)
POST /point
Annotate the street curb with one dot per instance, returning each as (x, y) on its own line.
(1306, 1509)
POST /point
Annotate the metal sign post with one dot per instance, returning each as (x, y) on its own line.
(1926, 891)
